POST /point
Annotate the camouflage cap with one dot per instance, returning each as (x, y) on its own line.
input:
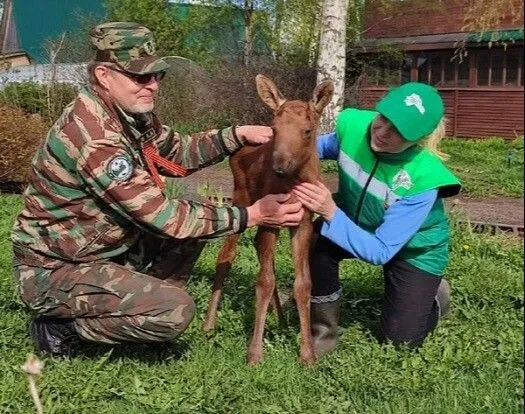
(128, 45)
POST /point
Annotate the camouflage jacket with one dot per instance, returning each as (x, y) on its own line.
(89, 194)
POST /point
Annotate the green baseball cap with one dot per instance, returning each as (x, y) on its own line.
(128, 45)
(414, 108)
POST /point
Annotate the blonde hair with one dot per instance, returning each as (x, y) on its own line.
(431, 141)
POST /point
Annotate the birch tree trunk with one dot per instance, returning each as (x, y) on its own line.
(332, 57)
(279, 12)
(248, 31)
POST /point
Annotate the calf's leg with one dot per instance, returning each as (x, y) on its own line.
(276, 304)
(224, 263)
(301, 237)
(265, 243)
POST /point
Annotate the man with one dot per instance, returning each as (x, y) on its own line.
(100, 253)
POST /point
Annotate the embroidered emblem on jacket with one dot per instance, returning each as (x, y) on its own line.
(120, 168)
(402, 180)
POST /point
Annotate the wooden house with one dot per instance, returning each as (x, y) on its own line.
(26, 29)
(483, 89)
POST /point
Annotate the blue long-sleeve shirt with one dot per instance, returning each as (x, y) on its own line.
(391, 235)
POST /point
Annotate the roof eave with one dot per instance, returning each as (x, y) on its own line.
(440, 41)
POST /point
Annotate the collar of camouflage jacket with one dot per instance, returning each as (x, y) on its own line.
(105, 101)
(132, 127)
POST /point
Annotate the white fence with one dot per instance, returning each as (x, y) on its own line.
(74, 74)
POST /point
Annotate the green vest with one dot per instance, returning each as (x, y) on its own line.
(369, 183)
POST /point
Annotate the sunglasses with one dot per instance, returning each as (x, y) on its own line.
(142, 79)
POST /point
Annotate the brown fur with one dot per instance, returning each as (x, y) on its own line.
(273, 168)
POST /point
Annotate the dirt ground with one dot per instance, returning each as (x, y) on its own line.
(494, 210)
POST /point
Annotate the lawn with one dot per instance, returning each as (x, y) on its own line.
(473, 363)
(487, 167)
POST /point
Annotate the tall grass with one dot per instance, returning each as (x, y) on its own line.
(472, 363)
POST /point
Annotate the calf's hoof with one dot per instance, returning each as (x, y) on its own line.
(208, 326)
(255, 357)
(308, 358)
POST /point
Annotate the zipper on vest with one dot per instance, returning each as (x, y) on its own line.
(363, 193)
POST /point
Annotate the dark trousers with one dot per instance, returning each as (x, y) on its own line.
(409, 310)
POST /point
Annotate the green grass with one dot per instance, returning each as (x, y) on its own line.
(473, 362)
(482, 166)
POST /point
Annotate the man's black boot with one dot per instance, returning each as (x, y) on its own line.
(54, 336)
(325, 326)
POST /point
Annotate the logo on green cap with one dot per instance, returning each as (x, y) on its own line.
(415, 100)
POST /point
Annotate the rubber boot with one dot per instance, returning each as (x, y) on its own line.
(443, 298)
(325, 321)
(54, 336)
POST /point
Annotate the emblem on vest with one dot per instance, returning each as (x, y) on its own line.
(120, 168)
(401, 180)
(415, 100)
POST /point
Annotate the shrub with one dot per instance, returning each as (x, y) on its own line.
(193, 99)
(35, 98)
(20, 134)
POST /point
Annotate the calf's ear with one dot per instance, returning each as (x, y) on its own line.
(322, 95)
(268, 92)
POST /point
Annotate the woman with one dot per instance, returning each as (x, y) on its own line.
(388, 211)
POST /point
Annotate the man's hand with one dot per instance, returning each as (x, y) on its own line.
(316, 198)
(273, 211)
(254, 134)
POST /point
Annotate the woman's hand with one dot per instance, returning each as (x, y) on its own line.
(273, 210)
(254, 134)
(317, 198)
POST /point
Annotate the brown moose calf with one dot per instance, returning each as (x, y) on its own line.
(273, 168)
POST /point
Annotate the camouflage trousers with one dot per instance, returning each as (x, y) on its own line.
(137, 297)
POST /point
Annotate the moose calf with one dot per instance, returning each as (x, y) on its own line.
(273, 168)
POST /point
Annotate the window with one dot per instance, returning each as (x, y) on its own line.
(406, 67)
(483, 67)
(497, 57)
(386, 70)
(423, 70)
(442, 69)
(500, 67)
(449, 69)
(463, 71)
(496, 67)
(436, 72)
(514, 67)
